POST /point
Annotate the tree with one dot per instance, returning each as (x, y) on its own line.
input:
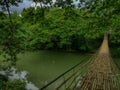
(10, 42)
(63, 3)
(28, 15)
(101, 9)
(43, 5)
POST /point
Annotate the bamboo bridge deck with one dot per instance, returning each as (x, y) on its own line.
(99, 76)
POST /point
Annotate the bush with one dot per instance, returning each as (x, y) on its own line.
(3, 80)
(6, 84)
(15, 85)
(115, 52)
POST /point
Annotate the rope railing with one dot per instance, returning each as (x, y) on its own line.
(76, 74)
(66, 80)
(116, 75)
(63, 74)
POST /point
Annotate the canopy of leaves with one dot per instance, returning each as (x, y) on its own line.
(66, 28)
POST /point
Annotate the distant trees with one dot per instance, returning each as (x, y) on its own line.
(61, 31)
(66, 27)
(62, 26)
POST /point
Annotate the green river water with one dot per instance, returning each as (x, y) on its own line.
(43, 66)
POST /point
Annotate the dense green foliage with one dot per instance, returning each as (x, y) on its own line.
(62, 29)
(65, 28)
(6, 84)
(9, 34)
(10, 42)
(68, 28)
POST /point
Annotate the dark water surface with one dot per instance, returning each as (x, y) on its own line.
(43, 66)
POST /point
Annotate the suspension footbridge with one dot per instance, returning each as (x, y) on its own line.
(97, 73)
